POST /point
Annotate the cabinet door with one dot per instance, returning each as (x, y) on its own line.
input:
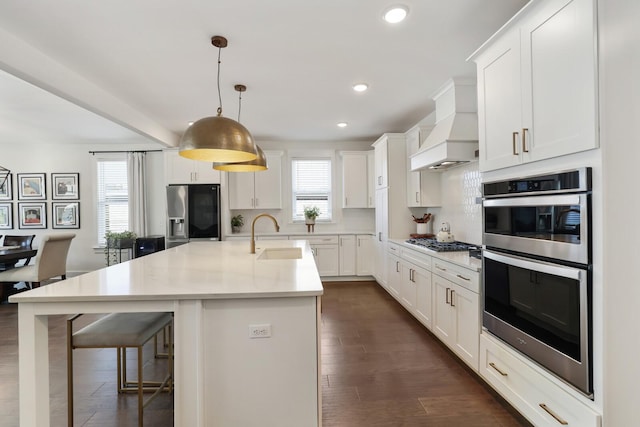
(467, 324)
(347, 251)
(354, 181)
(371, 180)
(364, 255)
(326, 259)
(500, 103)
(423, 307)
(413, 178)
(408, 287)
(381, 163)
(241, 190)
(204, 173)
(443, 314)
(559, 101)
(394, 275)
(268, 184)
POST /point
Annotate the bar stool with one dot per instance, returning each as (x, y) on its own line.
(122, 331)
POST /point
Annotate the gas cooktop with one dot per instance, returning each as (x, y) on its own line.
(434, 245)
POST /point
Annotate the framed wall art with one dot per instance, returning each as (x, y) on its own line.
(6, 216)
(65, 186)
(32, 215)
(31, 186)
(5, 187)
(65, 214)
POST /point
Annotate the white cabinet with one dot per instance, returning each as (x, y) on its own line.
(423, 187)
(543, 400)
(355, 180)
(371, 179)
(394, 271)
(537, 85)
(456, 310)
(325, 252)
(257, 190)
(416, 289)
(364, 255)
(347, 251)
(381, 162)
(180, 170)
(380, 238)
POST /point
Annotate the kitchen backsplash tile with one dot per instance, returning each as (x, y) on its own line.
(461, 206)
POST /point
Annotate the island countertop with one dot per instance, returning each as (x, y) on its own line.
(197, 270)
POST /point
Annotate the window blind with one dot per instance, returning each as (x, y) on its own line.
(311, 186)
(113, 198)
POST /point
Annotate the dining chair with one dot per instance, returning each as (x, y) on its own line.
(24, 241)
(50, 262)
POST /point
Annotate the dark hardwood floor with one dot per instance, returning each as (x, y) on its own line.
(380, 367)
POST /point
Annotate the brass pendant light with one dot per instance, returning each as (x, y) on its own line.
(257, 165)
(218, 139)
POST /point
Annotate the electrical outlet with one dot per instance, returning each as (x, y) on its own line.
(260, 331)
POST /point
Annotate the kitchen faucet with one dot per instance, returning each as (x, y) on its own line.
(253, 233)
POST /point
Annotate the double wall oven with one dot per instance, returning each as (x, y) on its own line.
(537, 265)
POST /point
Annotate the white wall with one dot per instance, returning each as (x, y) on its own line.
(48, 158)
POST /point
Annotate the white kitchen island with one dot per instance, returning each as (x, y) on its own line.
(217, 292)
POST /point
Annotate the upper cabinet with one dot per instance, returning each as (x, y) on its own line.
(537, 85)
(180, 170)
(257, 190)
(357, 190)
(423, 187)
(381, 162)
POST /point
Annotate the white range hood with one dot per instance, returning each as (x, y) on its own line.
(454, 139)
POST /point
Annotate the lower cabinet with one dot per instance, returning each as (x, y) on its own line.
(364, 255)
(347, 251)
(416, 288)
(533, 393)
(394, 271)
(456, 310)
(325, 251)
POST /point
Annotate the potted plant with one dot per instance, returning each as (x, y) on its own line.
(310, 214)
(115, 241)
(236, 223)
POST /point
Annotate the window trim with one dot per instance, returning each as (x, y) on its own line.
(324, 155)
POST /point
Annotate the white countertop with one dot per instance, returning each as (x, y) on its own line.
(460, 258)
(197, 270)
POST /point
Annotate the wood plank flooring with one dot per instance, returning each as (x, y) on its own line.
(380, 367)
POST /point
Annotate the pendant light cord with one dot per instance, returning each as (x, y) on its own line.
(239, 104)
(219, 94)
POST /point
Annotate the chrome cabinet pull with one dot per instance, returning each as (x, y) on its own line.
(493, 365)
(440, 268)
(524, 138)
(380, 236)
(417, 197)
(463, 278)
(452, 293)
(513, 142)
(447, 297)
(397, 266)
(412, 275)
(553, 414)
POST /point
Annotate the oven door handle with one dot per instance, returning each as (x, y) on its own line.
(559, 199)
(534, 265)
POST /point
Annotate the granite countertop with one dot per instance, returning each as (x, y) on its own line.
(197, 270)
(460, 258)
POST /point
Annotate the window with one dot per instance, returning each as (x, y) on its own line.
(113, 195)
(311, 186)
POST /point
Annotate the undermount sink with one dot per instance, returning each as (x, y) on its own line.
(281, 253)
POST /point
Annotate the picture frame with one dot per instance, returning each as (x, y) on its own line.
(6, 216)
(32, 186)
(6, 187)
(65, 186)
(65, 215)
(32, 215)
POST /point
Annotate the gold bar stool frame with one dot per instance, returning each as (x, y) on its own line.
(122, 331)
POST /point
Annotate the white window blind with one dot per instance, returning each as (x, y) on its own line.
(113, 198)
(311, 186)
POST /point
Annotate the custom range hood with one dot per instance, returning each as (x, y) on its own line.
(454, 139)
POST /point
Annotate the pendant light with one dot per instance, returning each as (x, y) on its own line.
(257, 165)
(218, 139)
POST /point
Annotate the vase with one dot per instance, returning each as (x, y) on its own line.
(236, 228)
(422, 228)
(310, 221)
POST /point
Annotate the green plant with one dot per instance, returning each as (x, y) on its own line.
(311, 212)
(114, 241)
(237, 221)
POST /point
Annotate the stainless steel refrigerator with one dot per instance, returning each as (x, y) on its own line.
(193, 213)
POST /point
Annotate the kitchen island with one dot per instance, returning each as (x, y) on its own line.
(246, 329)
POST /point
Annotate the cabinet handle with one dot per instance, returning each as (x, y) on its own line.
(513, 141)
(440, 268)
(358, 242)
(463, 278)
(447, 297)
(370, 201)
(493, 365)
(524, 139)
(417, 197)
(380, 236)
(553, 414)
(397, 266)
(256, 202)
(345, 202)
(452, 294)
(380, 180)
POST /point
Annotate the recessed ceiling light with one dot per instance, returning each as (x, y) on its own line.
(342, 124)
(396, 14)
(360, 87)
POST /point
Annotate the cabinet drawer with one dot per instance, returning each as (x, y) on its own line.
(416, 258)
(462, 276)
(541, 401)
(317, 240)
(393, 248)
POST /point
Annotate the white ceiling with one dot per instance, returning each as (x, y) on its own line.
(149, 65)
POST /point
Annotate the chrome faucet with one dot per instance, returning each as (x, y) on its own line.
(253, 227)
